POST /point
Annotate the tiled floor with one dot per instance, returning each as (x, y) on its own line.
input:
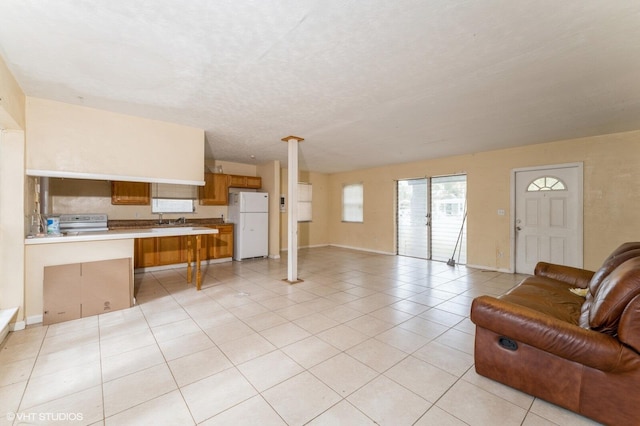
(365, 339)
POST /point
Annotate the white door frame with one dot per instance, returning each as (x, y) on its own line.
(512, 219)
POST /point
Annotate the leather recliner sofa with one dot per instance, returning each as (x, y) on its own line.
(581, 353)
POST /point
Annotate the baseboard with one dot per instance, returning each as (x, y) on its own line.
(35, 319)
(363, 249)
(181, 265)
(274, 256)
(346, 247)
(310, 246)
(490, 268)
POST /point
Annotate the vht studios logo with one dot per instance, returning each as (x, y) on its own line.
(50, 417)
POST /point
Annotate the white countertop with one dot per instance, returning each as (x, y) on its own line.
(122, 234)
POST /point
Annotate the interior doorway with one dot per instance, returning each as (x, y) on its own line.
(548, 216)
(431, 218)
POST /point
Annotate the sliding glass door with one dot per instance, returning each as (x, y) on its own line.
(413, 218)
(431, 218)
(449, 225)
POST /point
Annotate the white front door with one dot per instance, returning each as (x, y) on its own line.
(548, 216)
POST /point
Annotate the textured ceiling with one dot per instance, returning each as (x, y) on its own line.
(366, 83)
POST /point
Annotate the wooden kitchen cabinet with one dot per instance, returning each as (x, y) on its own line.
(215, 191)
(250, 182)
(171, 250)
(220, 245)
(145, 252)
(223, 241)
(130, 193)
(160, 251)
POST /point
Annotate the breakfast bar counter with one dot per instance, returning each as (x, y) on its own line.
(121, 234)
(73, 248)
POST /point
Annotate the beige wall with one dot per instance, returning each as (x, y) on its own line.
(12, 100)
(12, 194)
(76, 141)
(316, 232)
(12, 222)
(611, 196)
(232, 168)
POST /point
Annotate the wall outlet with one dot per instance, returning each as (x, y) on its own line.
(501, 212)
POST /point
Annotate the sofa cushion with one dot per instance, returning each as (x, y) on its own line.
(617, 258)
(548, 296)
(613, 295)
(629, 328)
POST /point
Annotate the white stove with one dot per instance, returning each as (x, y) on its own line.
(83, 222)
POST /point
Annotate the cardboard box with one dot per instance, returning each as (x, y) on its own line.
(84, 289)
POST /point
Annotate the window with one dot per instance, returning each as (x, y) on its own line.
(546, 183)
(352, 202)
(170, 198)
(305, 195)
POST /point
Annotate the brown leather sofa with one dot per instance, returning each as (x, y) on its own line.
(581, 353)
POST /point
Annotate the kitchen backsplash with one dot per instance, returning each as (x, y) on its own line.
(71, 196)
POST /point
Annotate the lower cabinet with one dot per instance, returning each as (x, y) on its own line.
(145, 252)
(160, 251)
(171, 250)
(221, 243)
(80, 290)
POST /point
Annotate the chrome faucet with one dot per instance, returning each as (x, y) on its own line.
(160, 219)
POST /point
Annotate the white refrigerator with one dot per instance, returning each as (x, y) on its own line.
(249, 212)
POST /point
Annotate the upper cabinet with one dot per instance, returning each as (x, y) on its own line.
(215, 191)
(252, 182)
(130, 193)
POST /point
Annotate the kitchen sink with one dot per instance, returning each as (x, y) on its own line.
(171, 229)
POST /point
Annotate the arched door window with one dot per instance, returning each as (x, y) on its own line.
(546, 183)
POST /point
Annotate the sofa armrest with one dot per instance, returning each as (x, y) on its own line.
(568, 274)
(568, 341)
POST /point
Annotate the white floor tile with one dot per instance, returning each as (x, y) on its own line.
(342, 414)
(128, 391)
(168, 409)
(300, 398)
(365, 338)
(254, 411)
(388, 403)
(269, 370)
(215, 394)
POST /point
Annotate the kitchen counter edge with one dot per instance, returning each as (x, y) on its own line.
(121, 234)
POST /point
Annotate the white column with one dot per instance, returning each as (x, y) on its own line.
(292, 216)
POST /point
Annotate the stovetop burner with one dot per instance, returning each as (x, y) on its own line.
(83, 222)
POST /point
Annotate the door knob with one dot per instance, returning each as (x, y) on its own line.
(518, 228)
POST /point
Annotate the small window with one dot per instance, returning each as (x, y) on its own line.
(352, 203)
(171, 198)
(546, 183)
(305, 196)
(169, 205)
